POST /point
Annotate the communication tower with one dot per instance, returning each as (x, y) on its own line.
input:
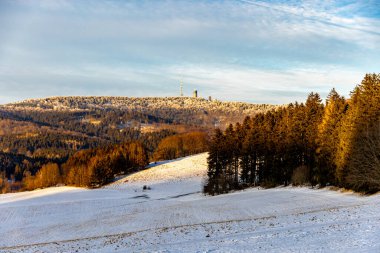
(181, 87)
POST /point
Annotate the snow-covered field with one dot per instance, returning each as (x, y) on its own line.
(174, 216)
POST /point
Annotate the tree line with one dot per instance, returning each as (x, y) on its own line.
(21, 155)
(181, 145)
(97, 166)
(91, 168)
(336, 143)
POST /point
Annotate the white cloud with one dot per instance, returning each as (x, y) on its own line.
(262, 85)
(252, 50)
(222, 82)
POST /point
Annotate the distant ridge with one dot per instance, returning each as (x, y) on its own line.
(110, 117)
(143, 104)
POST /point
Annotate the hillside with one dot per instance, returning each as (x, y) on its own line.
(52, 129)
(174, 216)
(144, 104)
(175, 110)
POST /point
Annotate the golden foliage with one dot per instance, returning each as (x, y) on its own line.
(181, 145)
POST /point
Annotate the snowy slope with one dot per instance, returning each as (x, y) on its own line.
(175, 217)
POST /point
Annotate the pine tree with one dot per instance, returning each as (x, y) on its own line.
(244, 138)
(313, 116)
(362, 158)
(293, 142)
(327, 138)
(215, 164)
(258, 139)
(232, 154)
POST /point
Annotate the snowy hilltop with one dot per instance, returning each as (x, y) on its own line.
(139, 103)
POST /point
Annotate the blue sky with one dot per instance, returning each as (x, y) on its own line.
(255, 51)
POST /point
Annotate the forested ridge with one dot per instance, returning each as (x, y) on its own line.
(336, 143)
(91, 113)
(50, 131)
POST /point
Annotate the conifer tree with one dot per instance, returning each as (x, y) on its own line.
(232, 153)
(215, 164)
(327, 138)
(313, 116)
(361, 166)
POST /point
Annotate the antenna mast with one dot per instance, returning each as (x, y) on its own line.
(181, 86)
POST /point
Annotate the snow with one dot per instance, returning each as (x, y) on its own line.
(174, 216)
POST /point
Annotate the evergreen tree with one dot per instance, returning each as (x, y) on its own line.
(231, 154)
(360, 165)
(313, 117)
(215, 164)
(327, 139)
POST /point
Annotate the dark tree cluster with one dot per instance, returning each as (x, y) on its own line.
(333, 144)
(49, 144)
(106, 124)
(15, 167)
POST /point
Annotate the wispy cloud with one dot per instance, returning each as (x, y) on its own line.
(259, 51)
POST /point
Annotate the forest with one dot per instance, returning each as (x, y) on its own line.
(95, 167)
(311, 143)
(336, 143)
(90, 168)
(38, 132)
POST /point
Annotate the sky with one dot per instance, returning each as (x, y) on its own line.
(254, 51)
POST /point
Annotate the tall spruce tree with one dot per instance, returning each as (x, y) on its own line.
(215, 163)
(361, 166)
(327, 138)
(313, 116)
